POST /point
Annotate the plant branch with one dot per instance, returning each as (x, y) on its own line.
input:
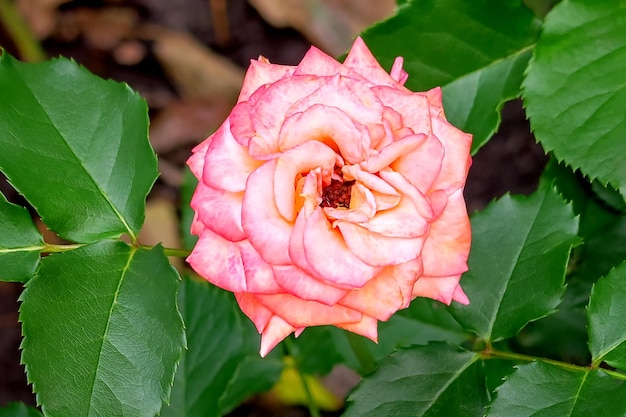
(27, 45)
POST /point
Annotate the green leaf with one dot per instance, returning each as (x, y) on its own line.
(222, 366)
(20, 243)
(575, 88)
(102, 334)
(517, 263)
(19, 410)
(542, 390)
(433, 380)
(76, 147)
(606, 313)
(475, 50)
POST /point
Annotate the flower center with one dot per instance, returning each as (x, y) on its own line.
(337, 194)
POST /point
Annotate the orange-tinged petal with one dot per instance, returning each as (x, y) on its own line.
(266, 229)
(447, 246)
(328, 254)
(297, 282)
(378, 250)
(257, 312)
(414, 107)
(456, 161)
(219, 210)
(276, 330)
(218, 261)
(388, 292)
(391, 152)
(303, 313)
(444, 289)
(367, 326)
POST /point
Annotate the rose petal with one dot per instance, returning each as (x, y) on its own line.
(422, 166)
(367, 326)
(456, 162)
(218, 261)
(414, 107)
(393, 151)
(361, 60)
(403, 220)
(371, 181)
(400, 183)
(328, 254)
(262, 223)
(259, 274)
(443, 289)
(397, 72)
(227, 163)
(388, 292)
(302, 285)
(261, 72)
(277, 330)
(196, 160)
(317, 63)
(328, 125)
(303, 313)
(257, 312)
(378, 250)
(303, 158)
(219, 210)
(448, 243)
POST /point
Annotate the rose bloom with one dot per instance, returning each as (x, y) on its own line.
(331, 195)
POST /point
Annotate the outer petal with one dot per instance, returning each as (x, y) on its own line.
(447, 246)
(456, 161)
(389, 292)
(414, 107)
(219, 262)
(257, 312)
(260, 73)
(219, 210)
(277, 329)
(196, 160)
(444, 289)
(302, 313)
(259, 274)
(367, 326)
(317, 63)
(328, 254)
(266, 229)
(302, 285)
(227, 163)
(361, 60)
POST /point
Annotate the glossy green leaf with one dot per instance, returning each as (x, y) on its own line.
(607, 324)
(475, 50)
(221, 366)
(20, 243)
(76, 146)
(433, 380)
(517, 263)
(542, 390)
(575, 88)
(19, 410)
(102, 334)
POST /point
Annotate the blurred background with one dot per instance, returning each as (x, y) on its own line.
(187, 58)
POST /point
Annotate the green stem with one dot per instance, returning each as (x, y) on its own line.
(362, 353)
(51, 248)
(182, 253)
(310, 401)
(25, 42)
(490, 353)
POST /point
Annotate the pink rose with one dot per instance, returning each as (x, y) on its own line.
(331, 195)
